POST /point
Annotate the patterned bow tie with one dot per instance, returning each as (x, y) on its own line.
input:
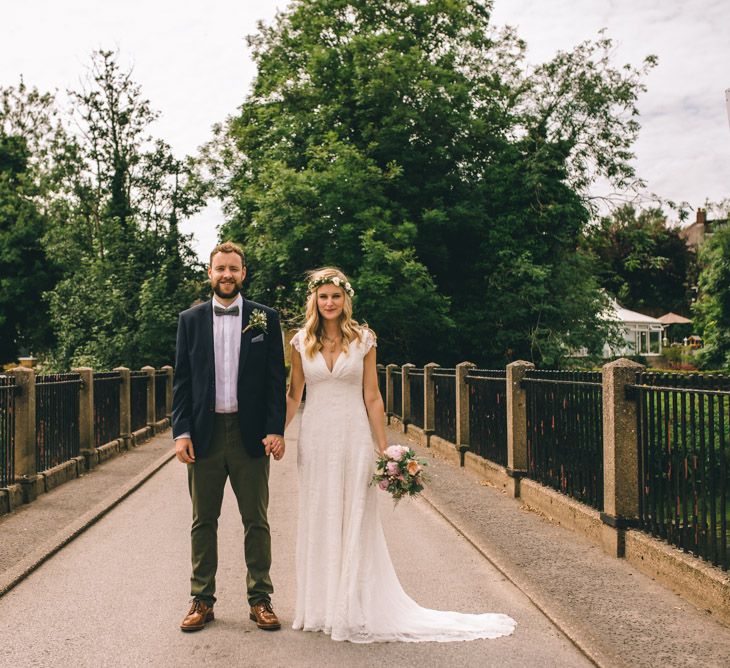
(219, 310)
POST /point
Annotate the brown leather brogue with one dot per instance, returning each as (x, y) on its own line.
(198, 616)
(263, 614)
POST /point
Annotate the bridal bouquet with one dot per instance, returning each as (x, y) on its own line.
(399, 472)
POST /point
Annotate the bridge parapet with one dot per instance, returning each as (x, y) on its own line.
(56, 427)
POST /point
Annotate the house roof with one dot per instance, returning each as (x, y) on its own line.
(674, 319)
(625, 315)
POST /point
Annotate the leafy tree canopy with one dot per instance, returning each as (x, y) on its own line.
(29, 137)
(93, 266)
(712, 308)
(408, 143)
(642, 261)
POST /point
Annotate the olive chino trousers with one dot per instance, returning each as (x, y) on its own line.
(249, 478)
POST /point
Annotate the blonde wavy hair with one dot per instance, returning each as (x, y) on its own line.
(313, 329)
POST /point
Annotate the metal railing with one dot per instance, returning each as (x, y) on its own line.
(56, 419)
(8, 391)
(106, 407)
(415, 380)
(488, 413)
(138, 381)
(397, 380)
(565, 432)
(382, 384)
(683, 424)
(160, 394)
(444, 390)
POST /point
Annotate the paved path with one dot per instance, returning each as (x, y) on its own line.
(114, 596)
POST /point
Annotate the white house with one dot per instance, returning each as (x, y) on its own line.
(642, 334)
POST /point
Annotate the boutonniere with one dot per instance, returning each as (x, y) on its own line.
(257, 320)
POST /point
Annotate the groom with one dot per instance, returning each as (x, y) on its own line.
(228, 412)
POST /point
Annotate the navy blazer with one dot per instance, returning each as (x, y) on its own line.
(261, 379)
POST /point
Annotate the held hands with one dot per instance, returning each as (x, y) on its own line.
(184, 450)
(274, 445)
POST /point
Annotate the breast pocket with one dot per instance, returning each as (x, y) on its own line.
(258, 339)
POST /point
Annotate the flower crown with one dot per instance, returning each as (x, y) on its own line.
(334, 280)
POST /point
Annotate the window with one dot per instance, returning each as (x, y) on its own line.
(649, 340)
(654, 342)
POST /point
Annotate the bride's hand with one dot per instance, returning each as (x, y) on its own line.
(274, 445)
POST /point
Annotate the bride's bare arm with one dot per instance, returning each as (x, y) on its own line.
(373, 400)
(296, 386)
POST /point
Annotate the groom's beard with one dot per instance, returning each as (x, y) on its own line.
(228, 293)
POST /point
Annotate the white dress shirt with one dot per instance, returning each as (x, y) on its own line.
(226, 350)
(227, 347)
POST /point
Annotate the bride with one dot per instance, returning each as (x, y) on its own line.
(346, 583)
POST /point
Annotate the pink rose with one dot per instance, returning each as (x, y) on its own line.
(391, 468)
(383, 484)
(395, 452)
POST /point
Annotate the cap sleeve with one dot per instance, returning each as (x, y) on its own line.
(369, 340)
(297, 342)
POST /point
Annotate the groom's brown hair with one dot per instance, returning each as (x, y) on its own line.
(228, 247)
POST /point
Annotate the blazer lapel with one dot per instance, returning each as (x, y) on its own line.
(245, 337)
(206, 329)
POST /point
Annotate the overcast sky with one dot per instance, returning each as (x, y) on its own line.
(193, 64)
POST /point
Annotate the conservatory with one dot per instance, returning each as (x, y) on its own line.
(642, 334)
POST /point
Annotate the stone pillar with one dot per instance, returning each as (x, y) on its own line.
(389, 390)
(168, 392)
(86, 416)
(620, 456)
(125, 407)
(462, 408)
(406, 394)
(429, 401)
(150, 371)
(25, 446)
(516, 424)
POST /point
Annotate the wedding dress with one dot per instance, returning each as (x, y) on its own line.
(346, 583)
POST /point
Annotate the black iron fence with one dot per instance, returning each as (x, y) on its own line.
(8, 390)
(488, 413)
(106, 407)
(565, 432)
(382, 382)
(56, 419)
(397, 379)
(160, 394)
(683, 424)
(415, 381)
(681, 442)
(138, 381)
(444, 392)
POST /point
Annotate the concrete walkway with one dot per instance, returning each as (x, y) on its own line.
(115, 595)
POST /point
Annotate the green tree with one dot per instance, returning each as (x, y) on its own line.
(644, 263)
(712, 308)
(128, 270)
(29, 137)
(23, 267)
(412, 132)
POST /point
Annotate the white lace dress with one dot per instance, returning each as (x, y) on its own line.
(346, 583)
